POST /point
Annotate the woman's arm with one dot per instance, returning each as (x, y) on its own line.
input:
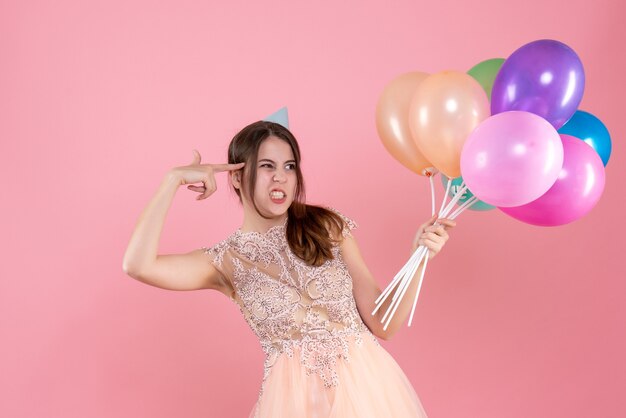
(188, 271)
(366, 290)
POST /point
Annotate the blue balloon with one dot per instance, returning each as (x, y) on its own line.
(585, 126)
(455, 186)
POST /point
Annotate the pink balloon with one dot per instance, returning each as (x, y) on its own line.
(511, 158)
(576, 191)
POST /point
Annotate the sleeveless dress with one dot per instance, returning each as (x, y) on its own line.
(321, 360)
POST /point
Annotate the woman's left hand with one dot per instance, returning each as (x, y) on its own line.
(433, 235)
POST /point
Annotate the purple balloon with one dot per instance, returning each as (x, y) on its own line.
(544, 77)
(511, 159)
(576, 191)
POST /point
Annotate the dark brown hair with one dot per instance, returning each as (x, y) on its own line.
(311, 230)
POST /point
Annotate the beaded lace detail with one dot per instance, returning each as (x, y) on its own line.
(290, 304)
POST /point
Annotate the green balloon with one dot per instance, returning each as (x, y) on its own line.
(485, 73)
(479, 205)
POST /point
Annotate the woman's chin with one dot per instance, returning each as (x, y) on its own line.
(276, 211)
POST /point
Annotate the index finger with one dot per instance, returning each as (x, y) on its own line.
(227, 167)
(447, 222)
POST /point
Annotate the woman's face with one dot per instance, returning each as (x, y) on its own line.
(276, 177)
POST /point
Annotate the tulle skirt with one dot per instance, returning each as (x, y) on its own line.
(371, 385)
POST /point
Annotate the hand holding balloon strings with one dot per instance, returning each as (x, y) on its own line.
(403, 278)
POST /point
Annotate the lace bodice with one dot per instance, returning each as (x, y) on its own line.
(288, 303)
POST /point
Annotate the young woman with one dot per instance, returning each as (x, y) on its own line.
(296, 272)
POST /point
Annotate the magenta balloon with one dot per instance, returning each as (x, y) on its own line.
(511, 158)
(576, 191)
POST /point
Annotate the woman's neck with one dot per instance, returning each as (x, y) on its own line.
(259, 224)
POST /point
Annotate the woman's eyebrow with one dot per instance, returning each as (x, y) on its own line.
(271, 161)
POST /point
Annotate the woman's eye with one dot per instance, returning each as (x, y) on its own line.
(291, 166)
(266, 165)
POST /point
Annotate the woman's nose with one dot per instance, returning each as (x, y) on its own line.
(279, 176)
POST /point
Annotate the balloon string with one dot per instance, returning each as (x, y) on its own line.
(419, 287)
(406, 287)
(464, 206)
(460, 192)
(445, 196)
(432, 195)
(416, 260)
(398, 277)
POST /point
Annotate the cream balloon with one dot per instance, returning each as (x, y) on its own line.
(444, 110)
(392, 122)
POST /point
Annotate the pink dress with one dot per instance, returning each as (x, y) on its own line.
(321, 359)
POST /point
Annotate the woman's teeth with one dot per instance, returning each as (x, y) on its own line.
(277, 195)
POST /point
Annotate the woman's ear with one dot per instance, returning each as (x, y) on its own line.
(236, 179)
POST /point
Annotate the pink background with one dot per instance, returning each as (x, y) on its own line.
(99, 99)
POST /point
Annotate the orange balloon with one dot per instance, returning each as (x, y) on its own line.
(445, 109)
(392, 122)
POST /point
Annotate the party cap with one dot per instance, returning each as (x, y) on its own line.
(280, 117)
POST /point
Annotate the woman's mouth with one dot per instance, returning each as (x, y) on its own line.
(278, 196)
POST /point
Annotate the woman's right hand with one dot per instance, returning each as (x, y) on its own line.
(201, 173)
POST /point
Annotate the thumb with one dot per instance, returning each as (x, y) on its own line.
(196, 157)
(428, 223)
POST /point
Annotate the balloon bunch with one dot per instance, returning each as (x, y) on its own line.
(506, 134)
